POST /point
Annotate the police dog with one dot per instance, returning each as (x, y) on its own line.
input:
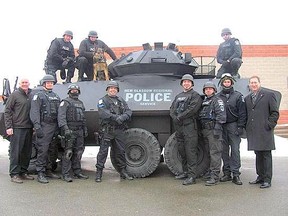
(100, 68)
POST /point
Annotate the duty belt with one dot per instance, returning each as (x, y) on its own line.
(208, 125)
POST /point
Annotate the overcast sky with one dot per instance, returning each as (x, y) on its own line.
(27, 27)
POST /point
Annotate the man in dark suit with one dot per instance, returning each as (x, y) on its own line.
(262, 116)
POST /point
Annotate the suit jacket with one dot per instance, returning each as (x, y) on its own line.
(262, 117)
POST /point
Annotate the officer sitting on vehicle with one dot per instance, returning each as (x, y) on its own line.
(71, 120)
(61, 56)
(113, 115)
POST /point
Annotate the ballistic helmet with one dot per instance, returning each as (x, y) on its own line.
(73, 86)
(47, 78)
(187, 77)
(113, 83)
(226, 76)
(93, 34)
(209, 84)
(68, 32)
(225, 31)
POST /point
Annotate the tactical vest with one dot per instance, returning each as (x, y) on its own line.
(115, 106)
(49, 106)
(228, 48)
(63, 48)
(206, 114)
(75, 112)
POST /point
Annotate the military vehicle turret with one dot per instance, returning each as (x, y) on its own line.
(149, 79)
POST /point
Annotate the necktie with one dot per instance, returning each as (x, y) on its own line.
(254, 97)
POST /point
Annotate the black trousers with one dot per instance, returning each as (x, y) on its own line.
(45, 147)
(264, 165)
(20, 151)
(187, 139)
(74, 162)
(115, 139)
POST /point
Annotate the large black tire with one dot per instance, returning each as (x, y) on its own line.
(173, 159)
(143, 153)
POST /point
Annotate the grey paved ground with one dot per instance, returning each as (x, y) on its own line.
(158, 195)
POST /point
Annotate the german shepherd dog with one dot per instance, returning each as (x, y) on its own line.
(100, 68)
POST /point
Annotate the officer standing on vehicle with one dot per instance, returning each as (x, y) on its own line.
(61, 56)
(232, 129)
(229, 54)
(71, 120)
(43, 114)
(114, 114)
(88, 47)
(212, 115)
(184, 113)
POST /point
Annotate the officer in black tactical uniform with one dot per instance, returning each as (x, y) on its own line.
(233, 128)
(71, 120)
(113, 115)
(87, 49)
(61, 56)
(43, 114)
(212, 115)
(229, 54)
(184, 113)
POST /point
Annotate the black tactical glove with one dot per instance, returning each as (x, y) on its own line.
(225, 64)
(65, 63)
(67, 132)
(239, 131)
(217, 130)
(39, 132)
(85, 132)
(121, 118)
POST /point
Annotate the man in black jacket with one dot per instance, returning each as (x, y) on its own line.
(263, 114)
(20, 129)
(88, 47)
(232, 129)
(61, 56)
(212, 115)
(184, 113)
(114, 114)
(229, 54)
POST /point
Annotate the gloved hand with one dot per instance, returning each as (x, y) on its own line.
(39, 132)
(70, 59)
(225, 64)
(85, 132)
(177, 121)
(68, 133)
(65, 63)
(121, 118)
(239, 131)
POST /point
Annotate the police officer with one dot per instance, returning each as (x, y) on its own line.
(184, 113)
(43, 114)
(232, 129)
(114, 114)
(87, 48)
(212, 115)
(60, 56)
(71, 120)
(229, 54)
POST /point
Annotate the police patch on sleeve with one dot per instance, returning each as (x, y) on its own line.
(237, 42)
(100, 103)
(35, 97)
(62, 103)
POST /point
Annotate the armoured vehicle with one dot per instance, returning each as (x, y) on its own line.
(149, 79)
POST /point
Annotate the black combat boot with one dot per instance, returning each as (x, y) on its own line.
(124, 175)
(182, 175)
(80, 176)
(41, 178)
(98, 176)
